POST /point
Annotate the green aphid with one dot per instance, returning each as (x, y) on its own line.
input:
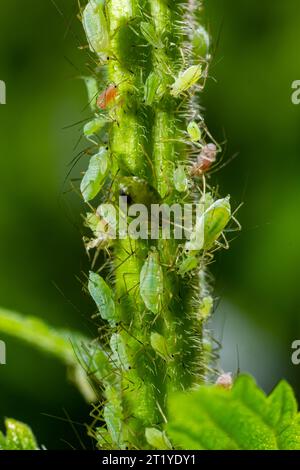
(157, 439)
(119, 350)
(194, 131)
(209, 225)
(201, 43)
(217, 217)
(113, 416)
(186, 80)
(180, 179)
(188, 264)
(101, 231)
(151, 89)
(92, 128)
(159, 344)
(138, 191)
(95, 175)
(206, 307)
(95, 361)
(149, 33)
(92, 91)
(95, 26)
(152, 283)
(103, 297)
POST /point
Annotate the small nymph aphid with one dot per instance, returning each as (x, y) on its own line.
(194, 131)
(206, 158)
(108, 96)
(186, 80)
(180, 179)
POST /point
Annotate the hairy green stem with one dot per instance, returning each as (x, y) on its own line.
(154, 336)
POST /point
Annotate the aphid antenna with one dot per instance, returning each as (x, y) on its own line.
(149, 161)
(67, 23)
(218, 166)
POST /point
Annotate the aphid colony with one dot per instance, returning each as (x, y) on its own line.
(156, 298)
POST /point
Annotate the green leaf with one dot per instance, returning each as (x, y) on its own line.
(18, 437)
(53, 341)
(243, 418)
(95, 175)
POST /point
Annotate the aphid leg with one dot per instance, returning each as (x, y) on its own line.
(149, 161)
(224, 245)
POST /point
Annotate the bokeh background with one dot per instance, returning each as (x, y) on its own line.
(42, 260)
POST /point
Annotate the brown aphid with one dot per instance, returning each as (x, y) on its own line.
(207, 157)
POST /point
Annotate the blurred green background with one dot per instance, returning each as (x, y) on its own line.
(248, 103)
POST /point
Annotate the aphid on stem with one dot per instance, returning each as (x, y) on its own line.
(186, 80)
(206, 158)
(108, 96)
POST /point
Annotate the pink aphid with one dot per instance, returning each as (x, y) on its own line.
(206, 158)
(225, 380)
(107, 97)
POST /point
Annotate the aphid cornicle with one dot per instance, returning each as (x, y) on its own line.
(152, 283)
(207, 157)
(95, 25)
(186, 80)
(107, 97)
